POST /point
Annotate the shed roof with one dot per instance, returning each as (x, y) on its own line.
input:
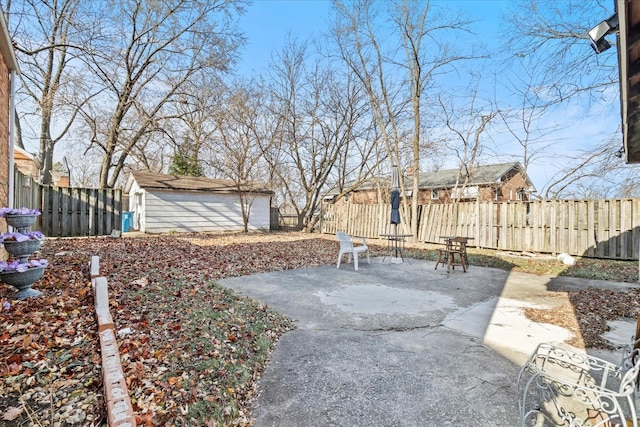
(158, 181)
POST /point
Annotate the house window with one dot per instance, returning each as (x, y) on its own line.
(465, 193)
(520, 195)
(434, 194)
(496, 193)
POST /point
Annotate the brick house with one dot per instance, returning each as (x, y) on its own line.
(8, 80)
(26, 163)
(499, 182)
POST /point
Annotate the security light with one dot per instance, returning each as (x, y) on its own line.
(597, 34)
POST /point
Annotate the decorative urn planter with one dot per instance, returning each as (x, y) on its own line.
(23, 280)
(22, 249)
(21, 272)
(20, 222)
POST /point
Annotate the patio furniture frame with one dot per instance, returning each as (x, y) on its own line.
(454, 253)
(560, 386)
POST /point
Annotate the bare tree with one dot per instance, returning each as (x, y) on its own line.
(597, 172)
(356, 35)
(524, 122)
(551, 37)
(369, 51)
(151, 53)
(193, 124)
(467, 126)
(83, 168)
(319, 138)
(234, 149)
(49, 37)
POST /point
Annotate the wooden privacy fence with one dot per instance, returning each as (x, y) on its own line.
(68, 211)
(591, 228)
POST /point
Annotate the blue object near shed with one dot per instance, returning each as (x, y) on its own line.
(127, 221)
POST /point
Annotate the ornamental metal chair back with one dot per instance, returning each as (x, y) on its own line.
(560, 386)
(348, 247)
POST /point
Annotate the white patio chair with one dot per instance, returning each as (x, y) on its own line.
(347, 247)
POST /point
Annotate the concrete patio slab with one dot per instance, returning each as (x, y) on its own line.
(401, 344)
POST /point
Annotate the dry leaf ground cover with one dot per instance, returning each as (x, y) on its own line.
(192, 350)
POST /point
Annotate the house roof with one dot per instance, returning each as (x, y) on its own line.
(157, 181)
(6, 46)
(22, 154)
(480, 175)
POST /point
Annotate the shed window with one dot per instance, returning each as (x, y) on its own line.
(434, 194)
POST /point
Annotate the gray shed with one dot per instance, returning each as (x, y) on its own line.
(163, 203)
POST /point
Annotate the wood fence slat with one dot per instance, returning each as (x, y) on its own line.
(626, 228)
(55, 212)
(635, 223)
(570, 227)
(591, 228)
(84, 213)
(65, 211)
(612, 238)
(601, 226)
(46, 211)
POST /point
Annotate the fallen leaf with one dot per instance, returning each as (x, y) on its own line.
(64, 383)
(142, 282)
(11, 413)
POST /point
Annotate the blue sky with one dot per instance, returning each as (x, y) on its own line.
(267, 23)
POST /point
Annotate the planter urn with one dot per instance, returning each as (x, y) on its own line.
(22, 280)
(21, 222)
(22, 250)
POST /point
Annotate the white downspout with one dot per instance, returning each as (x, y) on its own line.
(12, 115)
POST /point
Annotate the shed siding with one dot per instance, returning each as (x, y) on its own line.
(166, 211)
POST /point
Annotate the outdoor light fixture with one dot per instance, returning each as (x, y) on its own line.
(597, 34)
